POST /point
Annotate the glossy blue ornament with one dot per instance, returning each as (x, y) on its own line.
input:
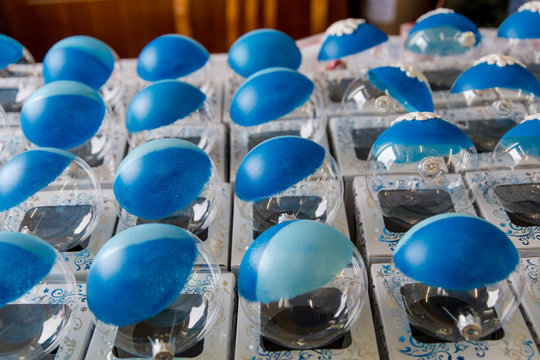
(261, 49)
(442, 32)
(146, 266)
(292, 258)
(525, 138)
(439, 251)
(494, 71)
(268, 95)
(348, 37)
(420, 135)
(161, 104)
(169, 57)
(11, 51)
(62, 114)
(25, 260)
(29, 172)
(79, 58)
(405, 84)
(161, 177)
(523, 24)
(275, 165)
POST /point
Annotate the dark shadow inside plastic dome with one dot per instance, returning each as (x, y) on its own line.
(303, 318)
(436, 311)
(402, 209)
(441, 79)
(185, 318)
(521, 203)
(483, 140)
(8, 98)
(363, 140)
(58, 224)
(256, 139)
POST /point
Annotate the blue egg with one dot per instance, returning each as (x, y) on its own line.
(161, 177)
(268, 95)
(523, 24)
(25, 260)
(456, 252)
(261, 49)
(11, 51)
(79, 58)
(292, 258)
(161, 104)
(349, 37)
(412, 92)
(525, 135)
(497, 71)
(275, 165)
(29, 172)
(445, 23)
(438, 138)
(62, 114)
(169, 57)
(139, 272)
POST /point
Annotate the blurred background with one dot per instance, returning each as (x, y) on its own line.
(127, 25)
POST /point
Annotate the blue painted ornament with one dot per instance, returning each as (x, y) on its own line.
(261, 49)
(523, 24)
(11, 51)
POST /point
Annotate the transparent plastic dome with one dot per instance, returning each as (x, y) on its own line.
(12, 140)
(18, 74)
(446, 295)
(443, 36)
(183, 111)
(148, 176)
(52, 194)
(314, 303)
(417, 168)
(514, 173)
(387, 91)
(288, 178)
(35, 323)
(294, 109)
(171, 314)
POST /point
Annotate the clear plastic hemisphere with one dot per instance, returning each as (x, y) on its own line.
(18, 81)
(313, 319)
(412, 182)
(64, 213)
(363, 98)
(380, 55)
(455, 315)
(36, 323)
(180, 325)
(317, 197)
(306, 121)
(197, 128)
(195, 217)
(111, 91)
(525, 50)
(501, 102)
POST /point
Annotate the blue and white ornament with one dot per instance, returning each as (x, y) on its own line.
(11, 51)
(79, 58)
(261, 49)
(348, 37)
(62, 114)
(522, 142)
(442, 32)
(171, 56)
(497, 71)
(406, 84)
(523, 24)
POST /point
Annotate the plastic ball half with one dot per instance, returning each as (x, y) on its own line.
(278, 99)
(18, 71)
(68, 115)
(83, 59)
(170, 284)
(514, 174)
(171, 56)
(442, 32)
(417, 168)
(302, 283)
(171, 108)
(288, 177)
(32, 321)
(262, 49)
(168, 180)
(497, 80)
(456, 277)
(389, 90)
(52, 194)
